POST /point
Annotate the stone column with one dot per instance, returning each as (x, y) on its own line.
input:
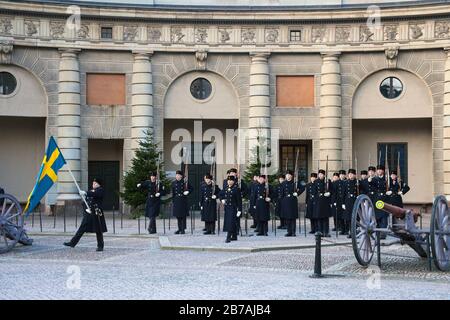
(259, 101)
(141, 103)
(69, 128)
(330, 112)
(447, 125)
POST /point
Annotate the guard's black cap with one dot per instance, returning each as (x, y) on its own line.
(336, 174)
(341, 171)
(371, 168)
(180, 172)
(233, 178)
(208, 176)
(289, 172)
(380, 167)
(364, 172)
(352, 171)
(394, 172)
(98, 180)
(322, 171)
(152, 174)
(233, 170)
(281, 175)
(313, 175)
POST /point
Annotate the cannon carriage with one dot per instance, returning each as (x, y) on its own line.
(432, 244)
(11, 224)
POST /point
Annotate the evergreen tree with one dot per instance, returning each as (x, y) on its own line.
(145, 161)
(255, 166)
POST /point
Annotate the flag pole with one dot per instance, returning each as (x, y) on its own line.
(88, 210)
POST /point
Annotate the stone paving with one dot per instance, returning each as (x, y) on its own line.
(136, 268)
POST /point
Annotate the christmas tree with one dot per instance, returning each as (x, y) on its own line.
(146, 160)
(256, 166)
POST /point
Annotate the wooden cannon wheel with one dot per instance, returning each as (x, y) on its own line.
(11, 222)
(362, 230)
(440, 233)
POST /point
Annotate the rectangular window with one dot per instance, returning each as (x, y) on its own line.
(106, 33)
(295, 91)
(396, 153)
(295, 35)
(105, 89)
(288, 156)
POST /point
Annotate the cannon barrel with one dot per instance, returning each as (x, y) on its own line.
(397, 212)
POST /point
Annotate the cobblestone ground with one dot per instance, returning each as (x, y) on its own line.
(136, 268)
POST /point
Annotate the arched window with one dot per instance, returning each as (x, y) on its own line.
(201, 88)
(8, 83)
(391, 87)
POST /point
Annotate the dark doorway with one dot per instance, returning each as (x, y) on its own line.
(288, 156)
(109, 173)
(196, 171)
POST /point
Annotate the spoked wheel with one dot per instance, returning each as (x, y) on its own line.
(363, 234)
(440, 233)
(11, 222)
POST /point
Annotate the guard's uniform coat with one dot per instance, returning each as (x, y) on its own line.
(233, 204)
(322, 209)
(395, 198)
(310, 199)
(252, 209)
(180, 201)
(262, 207)
(153, 203)
(277, 194)
(208, 205)
(350, 195)
(379, 189)
(289, 202)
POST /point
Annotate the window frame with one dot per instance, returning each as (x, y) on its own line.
(16, 87)
(207, 98)
(282, 161)
(404, 176)
(101, 32)
(391, 77)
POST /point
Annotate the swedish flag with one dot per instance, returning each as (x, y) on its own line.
(48, 174)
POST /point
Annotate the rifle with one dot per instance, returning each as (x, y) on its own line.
(357, 180)
(326, 176)
(157, 172)
(267, 179)
(386, 164)
(186, 171)
(296, 170)
(399, 177)
(369, 159)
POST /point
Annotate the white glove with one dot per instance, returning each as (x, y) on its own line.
(369, 179)
(157, 194)
(83, 193)
(400, 193)
(186, 193)
(223, 201)
(326, 194)
(388, 192)
(238, 214)
(254, 207)
(343, 206)
(213, 196)
(295, 194)
(201, 208)
(268, 199)
(138, 185)
(334, 204)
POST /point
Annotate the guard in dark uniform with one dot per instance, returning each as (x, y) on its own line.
(396, 190)
(350, 195)
(322, 209)
(340, 200)
(262, 198)
(277, 194)
(379, 188)
(154, 191)
(94, 221)
(334, 212)
(232, 202)
(208, 203)
(289, 202)
(180, 193)
(310, 202)
(251, 208)
(363, 182)
(370, 183)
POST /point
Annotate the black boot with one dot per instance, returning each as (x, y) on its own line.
(69, 244)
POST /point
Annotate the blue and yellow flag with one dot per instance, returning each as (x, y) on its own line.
(48, 174)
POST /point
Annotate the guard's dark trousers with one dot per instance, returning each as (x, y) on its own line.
(152, 225)
(81, 230)
(290, 226)
(181, 224)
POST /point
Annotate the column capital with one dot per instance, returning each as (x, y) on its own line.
(142, 54)
(259, 56)
(447, 51)
(332, 55)
(69, 52)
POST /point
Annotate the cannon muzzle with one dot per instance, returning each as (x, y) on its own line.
(397, 212)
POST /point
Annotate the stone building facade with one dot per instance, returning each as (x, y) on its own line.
(314, 73)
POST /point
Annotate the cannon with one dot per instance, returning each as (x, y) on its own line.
(432, 243)
(11, 224)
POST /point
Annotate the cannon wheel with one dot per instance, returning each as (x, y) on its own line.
(439, 233)
(11, 222)
(362, 231)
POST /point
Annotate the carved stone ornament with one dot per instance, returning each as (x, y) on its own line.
(154, 34)
(442, 30)
(201, 57)
(177, 35)
(416, 31)
(272, 35)
(31, 27)
(391, 32)
(365, 34)
(318, 35)
(5, 26)
(83, 32)
(248, 35)
(201, 35)
(130, 33)
(224, 35)
(391, 56)
(6, 49)
(342, 34)
(57, 29)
